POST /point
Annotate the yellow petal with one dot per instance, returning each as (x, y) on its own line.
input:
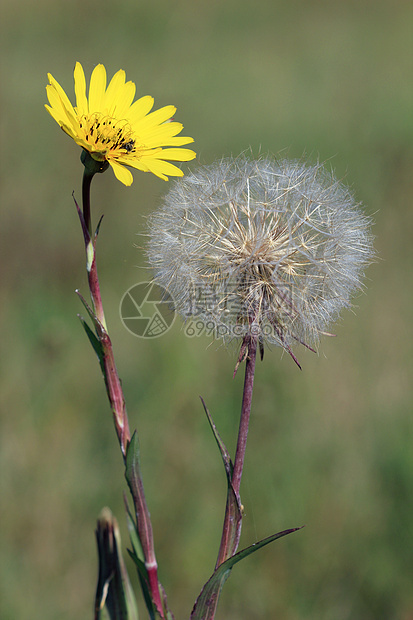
(178, 141)
(63, 97)
(171, 128)
(62, 122)
(80, 90)
(163, 168)
(121, 173)
(70, 132)
(115, 85)
(61, 113)
(139, 164)
(160, 132)
(157, 166)
(123, 100)
(140, 108)
(56, 117)
(158, 117)
(176, 154)
(57, 113)
(162, 135)
(160, 142)
(97, 89)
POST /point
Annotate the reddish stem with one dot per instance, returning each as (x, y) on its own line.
(93, 280)
(87, 180)
(115, 393)
(231, 532)
(245, 414)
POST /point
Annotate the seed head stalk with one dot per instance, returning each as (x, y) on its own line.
(230, 540)
(114, 390)
(245, 414)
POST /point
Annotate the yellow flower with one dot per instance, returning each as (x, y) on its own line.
(113, 129)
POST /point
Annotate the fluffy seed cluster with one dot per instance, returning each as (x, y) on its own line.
(261, 247)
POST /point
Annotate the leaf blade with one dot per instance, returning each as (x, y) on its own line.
(206, 603)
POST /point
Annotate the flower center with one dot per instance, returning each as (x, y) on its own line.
(107, 136)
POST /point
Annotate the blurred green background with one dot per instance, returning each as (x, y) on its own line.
(329, 447)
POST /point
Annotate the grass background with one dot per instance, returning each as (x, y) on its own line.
(330, 447)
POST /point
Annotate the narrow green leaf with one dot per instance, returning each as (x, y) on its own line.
(137, 556)
(133, 534)
(97, 347)
(233, 506)
(205, 606)
(222, 448)
(132, 469)
(228, 564)
(143, 580)
(132, 609)
(88, 309)
(206, 603)
(143, 527)
(113, 591)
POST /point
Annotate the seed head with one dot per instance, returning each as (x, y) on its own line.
(260, 247)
